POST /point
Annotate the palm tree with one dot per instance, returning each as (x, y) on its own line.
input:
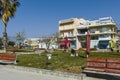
(7, 10)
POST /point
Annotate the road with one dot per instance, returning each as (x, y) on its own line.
(13, 74)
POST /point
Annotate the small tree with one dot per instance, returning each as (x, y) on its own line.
(29, 42)
(20, 37)
(54, 38)
(11, 43)
(47, 41)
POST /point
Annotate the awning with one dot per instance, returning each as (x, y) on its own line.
(62, 42)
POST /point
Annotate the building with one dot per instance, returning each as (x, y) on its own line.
(68, 28)
(46, 42)
(34, 42)
(101, 31)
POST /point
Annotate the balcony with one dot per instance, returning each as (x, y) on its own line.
(102, 21)
(82, 27)
(66, 22)
(67, 27)
(82, 34)
(97, 32)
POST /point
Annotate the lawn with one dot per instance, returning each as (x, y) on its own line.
(61, 61)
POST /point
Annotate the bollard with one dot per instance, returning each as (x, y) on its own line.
(48, 57)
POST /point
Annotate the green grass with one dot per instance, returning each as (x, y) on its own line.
(60, 60)
(105, 54)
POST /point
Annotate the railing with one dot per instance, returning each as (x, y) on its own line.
(101, 21)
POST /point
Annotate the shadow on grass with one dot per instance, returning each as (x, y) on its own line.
(82, 56)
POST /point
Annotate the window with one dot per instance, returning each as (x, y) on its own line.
(70, 33)
(82, 38)
(94, 37)
(103, 44)
(93, 30)
(104, 29)
(82, 31)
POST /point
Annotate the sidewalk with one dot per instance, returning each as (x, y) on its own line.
(19, 73)
(10, 72)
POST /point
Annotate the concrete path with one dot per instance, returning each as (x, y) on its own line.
(8, 73)
(13, 74)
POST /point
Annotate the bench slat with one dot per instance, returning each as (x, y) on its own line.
(113, 66)
(96, 64)
(96, 59)
(113, 60)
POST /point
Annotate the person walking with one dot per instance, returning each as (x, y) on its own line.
(118, 45)
(111, 42)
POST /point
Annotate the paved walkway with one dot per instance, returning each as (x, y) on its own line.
(13, 74)
(7, 73)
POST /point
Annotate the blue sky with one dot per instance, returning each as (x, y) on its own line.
(40, 17)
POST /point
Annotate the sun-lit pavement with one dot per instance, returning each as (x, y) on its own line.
(13, 74)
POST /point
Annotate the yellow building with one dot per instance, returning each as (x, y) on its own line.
(68, 27)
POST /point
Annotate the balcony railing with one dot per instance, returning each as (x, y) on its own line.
(101, 21)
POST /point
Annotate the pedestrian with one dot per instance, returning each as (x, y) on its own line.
(118, 45)
(111, 42)
(72, 52)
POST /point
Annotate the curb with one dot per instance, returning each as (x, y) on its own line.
(48, 72)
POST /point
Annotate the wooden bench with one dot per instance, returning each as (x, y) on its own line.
(8, 58)
(108, 65)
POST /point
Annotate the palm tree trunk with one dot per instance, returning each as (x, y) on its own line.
(5, 39)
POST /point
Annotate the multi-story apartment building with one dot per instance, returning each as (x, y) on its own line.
(101, 31)
(68, 28)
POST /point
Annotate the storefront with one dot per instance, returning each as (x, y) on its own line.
(103, 44)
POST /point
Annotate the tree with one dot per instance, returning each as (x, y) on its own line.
(20, 37)
(46, 40)
(56, 37)
(11, 43)
(7, 10)
(1, 43)
(51, 40)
